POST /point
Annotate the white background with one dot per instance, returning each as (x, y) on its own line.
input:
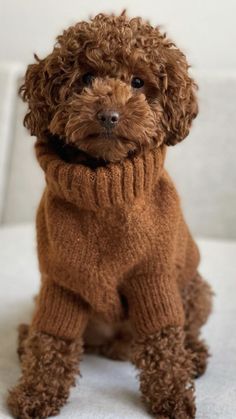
(205, 29)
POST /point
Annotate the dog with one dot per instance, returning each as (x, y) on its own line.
(104, 106)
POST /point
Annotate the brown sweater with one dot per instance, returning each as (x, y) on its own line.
(106, 235)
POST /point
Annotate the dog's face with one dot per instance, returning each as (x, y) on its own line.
(111, 86)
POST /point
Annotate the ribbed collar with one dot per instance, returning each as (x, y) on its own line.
(115, 184)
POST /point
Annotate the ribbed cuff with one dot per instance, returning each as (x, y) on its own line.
(59, 312)
(154, 303)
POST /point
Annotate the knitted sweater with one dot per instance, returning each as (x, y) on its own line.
(110, 235)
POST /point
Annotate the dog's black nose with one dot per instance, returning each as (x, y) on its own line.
(108, 119)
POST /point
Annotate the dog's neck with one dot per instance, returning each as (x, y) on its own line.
(72, 154)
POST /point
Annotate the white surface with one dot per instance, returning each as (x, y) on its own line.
(204, 29)
(109, 390)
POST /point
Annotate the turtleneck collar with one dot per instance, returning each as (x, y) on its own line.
(115, 184)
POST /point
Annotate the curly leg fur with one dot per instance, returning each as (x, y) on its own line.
(197, 301)
(109, 340)
(200, 354)
(23, 332)
(115, 349)
(166, 374)
(49, 367)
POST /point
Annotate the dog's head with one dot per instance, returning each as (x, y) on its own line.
(111, 86)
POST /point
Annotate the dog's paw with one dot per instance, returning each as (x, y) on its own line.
(200, 357)
(49, 368)
(28, 402)
(173, 408)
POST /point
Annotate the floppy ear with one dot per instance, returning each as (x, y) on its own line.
(32, 91)
(179, 102)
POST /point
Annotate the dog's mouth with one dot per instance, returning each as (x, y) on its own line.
(110, 146)
(107, 135)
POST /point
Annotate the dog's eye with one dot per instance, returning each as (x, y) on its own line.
(137, 83)
(87, 78)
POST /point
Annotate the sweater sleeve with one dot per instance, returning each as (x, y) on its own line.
(154, 300)
(59, 312)
(151, 288)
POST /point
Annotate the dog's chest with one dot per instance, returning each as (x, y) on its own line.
(90, 241)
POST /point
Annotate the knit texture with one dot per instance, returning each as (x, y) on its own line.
(111, 234)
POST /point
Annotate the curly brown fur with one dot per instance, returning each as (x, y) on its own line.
(49, 368)
(114, 49)
(23, 332)
(111, 341)
(166, 371)
(197, 301)
(117, 349)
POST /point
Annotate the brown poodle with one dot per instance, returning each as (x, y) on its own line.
(113, 88)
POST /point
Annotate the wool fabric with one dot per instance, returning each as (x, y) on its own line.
(111, 241)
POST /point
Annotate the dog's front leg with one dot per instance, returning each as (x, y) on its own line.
(165, 366)
(49, 367)
(166, 371)
(51, 355)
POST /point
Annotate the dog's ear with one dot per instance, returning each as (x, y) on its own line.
(179, 102)
(33, 92)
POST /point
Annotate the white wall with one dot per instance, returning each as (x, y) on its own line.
(205, 29)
